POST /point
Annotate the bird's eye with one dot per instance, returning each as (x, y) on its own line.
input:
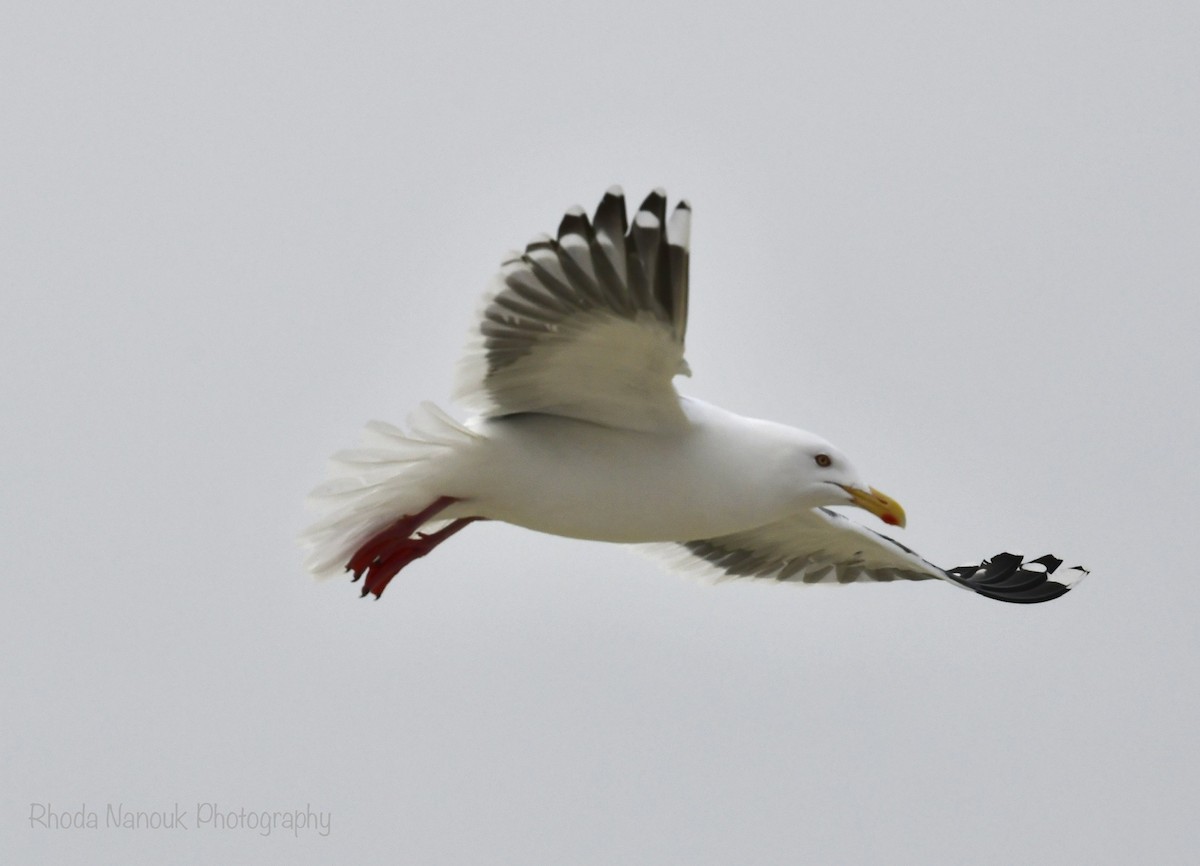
(823, 460)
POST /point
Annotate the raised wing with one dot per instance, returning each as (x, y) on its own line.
(588, 325)
(822, 546)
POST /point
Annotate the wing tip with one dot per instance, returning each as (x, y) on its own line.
(574, 222)
(1009, 577)
(655, 203)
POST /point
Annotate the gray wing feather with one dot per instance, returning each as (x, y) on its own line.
(822, 546)
(589, 324)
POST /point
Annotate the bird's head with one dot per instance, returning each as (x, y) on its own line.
(828, 471)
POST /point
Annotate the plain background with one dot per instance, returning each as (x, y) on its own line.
(958, 240)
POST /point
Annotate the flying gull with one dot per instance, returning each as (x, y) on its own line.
(580, 432)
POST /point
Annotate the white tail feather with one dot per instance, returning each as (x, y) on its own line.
(393, 474)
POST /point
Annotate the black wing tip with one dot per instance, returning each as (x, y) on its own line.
(1008, 577)
(610, 218)
(655, 203)
(613, 199)
(613, 202)
(574, 222)
(655, 197)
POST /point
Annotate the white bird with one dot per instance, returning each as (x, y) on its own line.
(581, 433)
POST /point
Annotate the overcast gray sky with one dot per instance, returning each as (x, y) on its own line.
(958, 240)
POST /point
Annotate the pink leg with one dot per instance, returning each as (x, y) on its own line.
(388, 551)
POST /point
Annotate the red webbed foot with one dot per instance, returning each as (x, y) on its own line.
(388, 551)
